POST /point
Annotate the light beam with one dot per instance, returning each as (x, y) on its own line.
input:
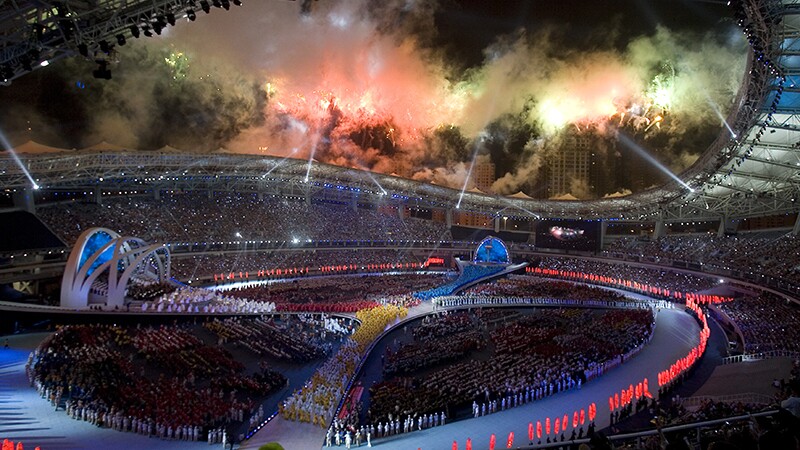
(374, 180)
(311, 155)
(719, 114)
(14, 156)
(525, 210)
(469, 174)
(280, 162)
(628, 142)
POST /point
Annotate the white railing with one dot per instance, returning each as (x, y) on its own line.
(748, 357)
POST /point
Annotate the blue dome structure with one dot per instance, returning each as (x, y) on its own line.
(491, 250)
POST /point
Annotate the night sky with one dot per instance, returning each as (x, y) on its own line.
(466, 27)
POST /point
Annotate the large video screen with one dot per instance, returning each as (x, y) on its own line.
(568, 235)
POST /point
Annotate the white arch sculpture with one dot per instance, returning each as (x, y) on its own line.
(129, 256)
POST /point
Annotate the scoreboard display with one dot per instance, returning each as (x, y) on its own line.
(568, 235)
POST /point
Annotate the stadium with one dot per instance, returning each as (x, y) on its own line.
(361, 231)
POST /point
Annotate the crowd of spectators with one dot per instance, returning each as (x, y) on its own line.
(769, 253)
(531, 356)
(437, 341)
(266, 337)
(347, 261)
(196, 217)
(143, 291)
(189, 390)
(767, 322)
(527, 286)
(534, 291)
(164, 381)
(665, 279)
(187, 299)
(337, 294)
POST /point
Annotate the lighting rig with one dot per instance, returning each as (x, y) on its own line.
(35, 33)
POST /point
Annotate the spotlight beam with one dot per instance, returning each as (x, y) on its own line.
(466, 179)
(511, 205)
(311, 156)
(628, 142)
(280, 162)
(372, 177)
(719, 114)
(7, 146)
(374, 180)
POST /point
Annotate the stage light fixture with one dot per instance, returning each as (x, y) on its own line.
(104, 47)
(147, 32)
(121, 40)
(226, 4)
(191, 15)
(134, 31)
(237, 2)
(216, 3)
(205, 6)
(171, 19)
(159, 25)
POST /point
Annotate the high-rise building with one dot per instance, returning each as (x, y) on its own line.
(472, 219)
(483, 176)
(570, 166)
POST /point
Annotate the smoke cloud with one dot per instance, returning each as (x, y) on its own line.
(360, 84)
